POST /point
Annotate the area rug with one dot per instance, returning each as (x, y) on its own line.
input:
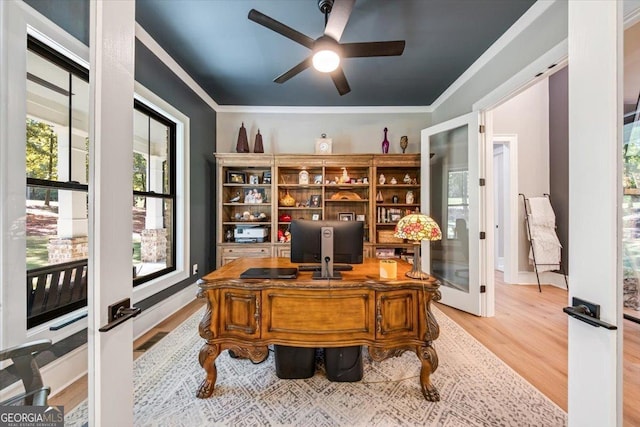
(476, 389)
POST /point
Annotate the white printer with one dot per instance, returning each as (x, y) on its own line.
(250, 234)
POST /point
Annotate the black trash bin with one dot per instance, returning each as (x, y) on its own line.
(294, 362)
(343, 364)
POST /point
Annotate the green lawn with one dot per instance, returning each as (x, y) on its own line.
(37, 254)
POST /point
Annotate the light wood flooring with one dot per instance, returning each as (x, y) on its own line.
(529, 333)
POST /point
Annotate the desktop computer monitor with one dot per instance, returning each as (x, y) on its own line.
(325, 243)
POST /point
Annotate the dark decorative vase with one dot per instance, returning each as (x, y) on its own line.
(385, 143)
(243, 143)
(257, 147)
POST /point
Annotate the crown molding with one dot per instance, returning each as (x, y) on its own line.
(324, 110)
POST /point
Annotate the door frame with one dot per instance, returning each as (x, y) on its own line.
(511, 201)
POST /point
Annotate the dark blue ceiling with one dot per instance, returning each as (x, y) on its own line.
(235, 60)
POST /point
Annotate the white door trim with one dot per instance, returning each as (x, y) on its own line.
(511, 203)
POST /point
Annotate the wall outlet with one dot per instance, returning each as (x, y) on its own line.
(194, 269)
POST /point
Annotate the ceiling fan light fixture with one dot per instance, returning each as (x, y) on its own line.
(326, 60)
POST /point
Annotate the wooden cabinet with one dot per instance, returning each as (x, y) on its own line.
(258, 196)
(396, 191)
(245, 206)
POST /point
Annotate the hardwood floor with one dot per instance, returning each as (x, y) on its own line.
(529, 333)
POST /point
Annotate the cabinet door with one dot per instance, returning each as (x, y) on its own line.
(397, 314)
(240, 313)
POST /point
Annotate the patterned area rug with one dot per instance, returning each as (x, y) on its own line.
(476, 388)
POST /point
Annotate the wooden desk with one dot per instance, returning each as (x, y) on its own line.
(389, 316)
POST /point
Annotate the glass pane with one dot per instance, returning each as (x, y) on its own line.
(158, 167)
(152, 235)
(80, 131)
(449, 206)
(56, 225)
(150, 154)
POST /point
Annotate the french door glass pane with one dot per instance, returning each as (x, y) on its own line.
(449, 167)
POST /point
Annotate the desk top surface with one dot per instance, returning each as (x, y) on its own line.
(368, 272)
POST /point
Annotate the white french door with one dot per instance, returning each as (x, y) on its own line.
(112, 26)
(452, 196)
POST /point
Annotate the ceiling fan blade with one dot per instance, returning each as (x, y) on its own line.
(364, 49)
(338, 18)
(280, 28)
(293, 71)
(340, 80)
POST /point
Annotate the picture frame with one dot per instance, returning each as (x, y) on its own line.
(315, 201)
(315, 217)
(255, 196)
(266, 177)
(346, 216)
(254, 179)
(317, 179)
(360, 217)
(236, 177)
(395, 217)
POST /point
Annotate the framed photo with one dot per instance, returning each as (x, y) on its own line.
(315, 201)
(255, 195)
(317, 179)
(254, 179)
(395, 217)
(236, 177)
(360, 217)
(315, 217)
(266, 177)
(345, 216)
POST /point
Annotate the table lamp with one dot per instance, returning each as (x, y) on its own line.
(417, 227)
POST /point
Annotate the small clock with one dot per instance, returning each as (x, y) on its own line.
(323, 146)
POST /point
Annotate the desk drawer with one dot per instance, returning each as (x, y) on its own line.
(318, 316)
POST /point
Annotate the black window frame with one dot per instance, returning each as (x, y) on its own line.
(172, 126)
(74, 69)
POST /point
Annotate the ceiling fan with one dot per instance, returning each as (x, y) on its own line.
(327, 50)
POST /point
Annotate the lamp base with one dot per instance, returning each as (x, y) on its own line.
(416, 270)
(421, 275)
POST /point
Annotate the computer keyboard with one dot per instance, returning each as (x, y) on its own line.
(316, 267)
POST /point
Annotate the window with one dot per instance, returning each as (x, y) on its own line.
(457, 201)
(154, 194)
(56, 150)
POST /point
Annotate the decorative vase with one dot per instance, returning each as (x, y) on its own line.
(409, 197)
(404, 143)
(385, 143)
(379, 198)
(258, 147)
(242, 146)
(382, 179)
(287, 200)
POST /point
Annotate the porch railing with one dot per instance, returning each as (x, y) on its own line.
(55, 290)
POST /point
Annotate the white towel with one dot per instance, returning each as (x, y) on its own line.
(541, 212)
(547, 247)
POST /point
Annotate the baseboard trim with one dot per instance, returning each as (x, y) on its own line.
(546, 278)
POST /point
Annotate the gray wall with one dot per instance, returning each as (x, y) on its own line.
(159, 79)
(70, 15)
(559, 156)
(545, 32)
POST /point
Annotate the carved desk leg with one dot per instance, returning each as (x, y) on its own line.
(207, 359)
(429, 360)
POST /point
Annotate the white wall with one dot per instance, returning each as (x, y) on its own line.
(527, 115)
(297, 132)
